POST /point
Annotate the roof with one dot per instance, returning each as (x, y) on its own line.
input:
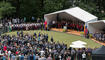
(97, 26)
(77, 13)
(100, 50)
(99, 21)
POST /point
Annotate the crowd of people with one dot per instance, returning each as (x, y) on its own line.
(28, 26)
(11, 20)
(70, 25)
(11, 24)
(37, 47)
(20, 24)
(20, 20)
(99, 36)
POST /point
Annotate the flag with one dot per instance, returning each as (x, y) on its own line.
(45, 23)
(84, 30)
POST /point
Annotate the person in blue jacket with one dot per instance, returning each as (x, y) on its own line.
(31, 57)
(4, 58)
(22, 57)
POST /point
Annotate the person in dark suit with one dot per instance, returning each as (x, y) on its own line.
(52, 39)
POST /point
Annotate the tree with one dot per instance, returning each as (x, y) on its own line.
(38, 8)
(6, 9)
(53, 5)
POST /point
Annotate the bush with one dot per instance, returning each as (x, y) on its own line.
(64, 30)
(82, 33)
(90, 35)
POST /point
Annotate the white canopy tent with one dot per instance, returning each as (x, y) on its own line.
(79, 42)
(77, 46)
(97, 26)
(74, 14)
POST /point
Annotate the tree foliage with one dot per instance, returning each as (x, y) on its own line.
(6, 9)
(38, 8)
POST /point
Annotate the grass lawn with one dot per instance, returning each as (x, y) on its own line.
(62, 37)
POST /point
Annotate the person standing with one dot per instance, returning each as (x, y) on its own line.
(73, 54)
(52, 39)
(45, 25)
(33, 18)
(25, 19)
(13, 57)
(42, 58)
(22, 57)
(4, 48)
(84, 56)
(49, 58)
(4, 58)
(37, 57)
(68, 58)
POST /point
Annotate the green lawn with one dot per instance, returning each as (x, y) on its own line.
(63, 37)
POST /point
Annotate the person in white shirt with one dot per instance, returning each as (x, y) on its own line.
(84, 56)
(9, 52)
(42, 53)
(0, 51)
(42, 58)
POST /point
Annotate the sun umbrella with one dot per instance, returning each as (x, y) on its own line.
(77, 46)
(79, 42)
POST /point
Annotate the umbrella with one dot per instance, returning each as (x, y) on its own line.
(77, 46)
(79, 42)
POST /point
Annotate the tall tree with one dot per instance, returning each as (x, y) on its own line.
(53, 5)
(6, 9)
(38, 8)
